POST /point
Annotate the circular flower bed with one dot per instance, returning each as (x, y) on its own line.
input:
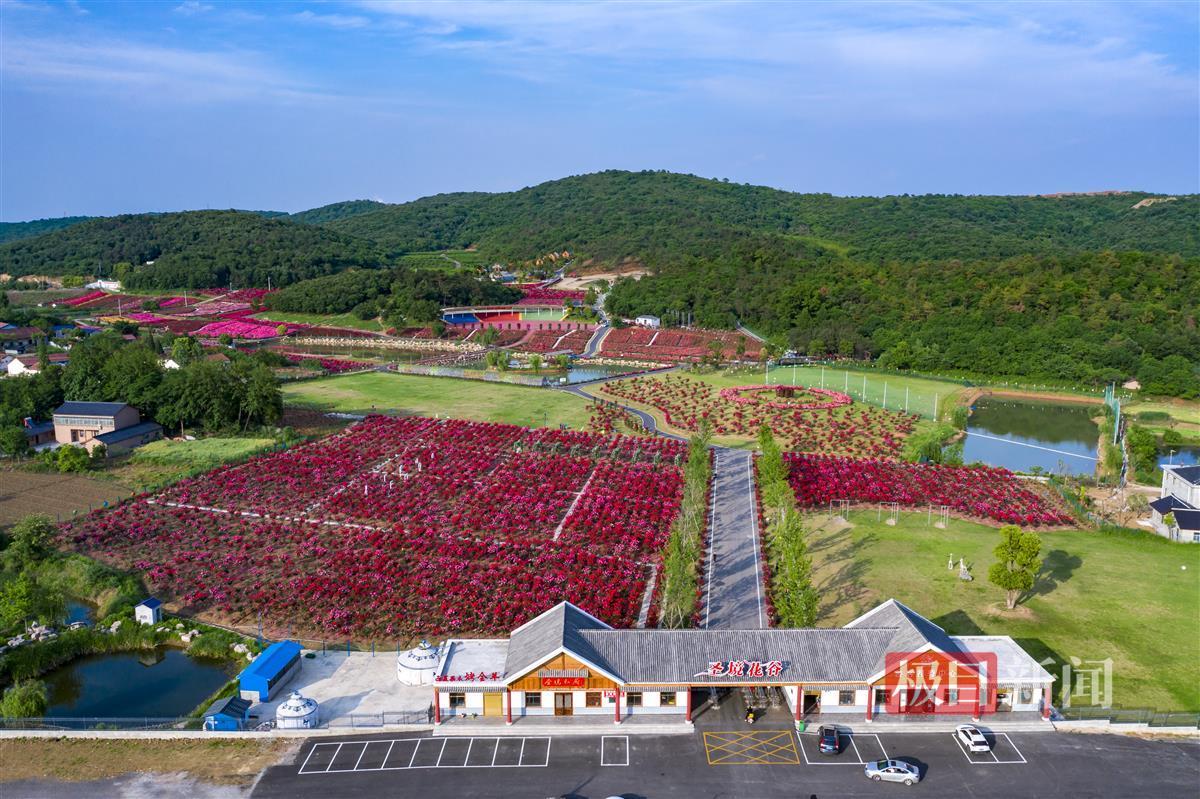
(787, 398)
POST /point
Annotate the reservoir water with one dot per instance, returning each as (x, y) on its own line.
(1020, 435)
(155, 683)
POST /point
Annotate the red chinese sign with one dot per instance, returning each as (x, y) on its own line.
(564, 682)
(745, 668)
(937, 682)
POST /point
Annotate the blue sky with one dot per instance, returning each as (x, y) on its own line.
(119, 107)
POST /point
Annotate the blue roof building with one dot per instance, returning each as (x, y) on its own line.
(270, 671)
(227, 715)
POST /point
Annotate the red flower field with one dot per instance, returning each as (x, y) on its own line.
(404, 527)
(807, 420)
(976, 492)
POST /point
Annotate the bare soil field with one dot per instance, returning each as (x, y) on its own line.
(581, 278)
(224, 761)
(22, 493)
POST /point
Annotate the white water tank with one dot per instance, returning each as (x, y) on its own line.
(415, 666)
(296, 713)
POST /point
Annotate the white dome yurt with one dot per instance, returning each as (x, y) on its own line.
(415, 666)
(296, 713)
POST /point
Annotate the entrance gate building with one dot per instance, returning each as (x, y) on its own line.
(566, 662)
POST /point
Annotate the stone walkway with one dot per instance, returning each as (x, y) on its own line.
(733, 591)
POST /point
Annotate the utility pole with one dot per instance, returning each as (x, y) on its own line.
(885, 395)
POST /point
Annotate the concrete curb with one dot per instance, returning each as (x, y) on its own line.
(202, 734)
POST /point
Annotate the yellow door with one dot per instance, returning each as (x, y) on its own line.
(493, 704)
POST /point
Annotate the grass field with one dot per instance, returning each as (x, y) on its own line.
(463, 399)
(1099, 596)
(324, 320)
(224, 761)
(161, 462)
(895, 392)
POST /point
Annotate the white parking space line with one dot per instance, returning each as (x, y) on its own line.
(534, 743)
(335, 754)
(995, 758)
(603, 745)
(840, 760)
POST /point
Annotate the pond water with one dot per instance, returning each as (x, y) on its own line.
(1183, 456)
(578, 373)
(78, 610)
(1020, 435)
(155, 683)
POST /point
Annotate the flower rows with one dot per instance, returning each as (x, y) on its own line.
(356, 582)
(407, 526)
(330, 365)
(978, 492)
(848, 429)
(242, 329)
(669, 344)
(540, 294)
(84, 298)
(748, 395)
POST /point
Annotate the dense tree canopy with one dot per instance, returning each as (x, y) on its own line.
(194, 249)
(1092, 317)
(410, 294)
(659, 217)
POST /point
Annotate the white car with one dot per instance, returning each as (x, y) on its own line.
(972, 738)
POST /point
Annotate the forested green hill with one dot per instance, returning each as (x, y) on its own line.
(12, 231)
(336, 211)
(193, 249)
(660, 217)
(1090, 317)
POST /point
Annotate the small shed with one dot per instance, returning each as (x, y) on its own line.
(648, 321)
(270, 671)
(227, 715)
(148, 611)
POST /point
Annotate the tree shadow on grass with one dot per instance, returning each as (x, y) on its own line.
(845, 584)
(1057, 567)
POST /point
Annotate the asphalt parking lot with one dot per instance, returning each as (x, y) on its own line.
(735, 763)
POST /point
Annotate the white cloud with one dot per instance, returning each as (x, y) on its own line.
(193, 7)
(337, 21)
(167, 74)
(914, 59)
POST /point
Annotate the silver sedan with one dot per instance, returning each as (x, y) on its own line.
(893, 771)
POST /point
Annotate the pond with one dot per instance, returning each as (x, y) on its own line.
(155, 683)
(1019, 435)
(78, 610)
(580, 372)
(1178, 455)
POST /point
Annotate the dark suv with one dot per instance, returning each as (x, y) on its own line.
(829, 740)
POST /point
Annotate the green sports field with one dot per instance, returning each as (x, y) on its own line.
(462, 399)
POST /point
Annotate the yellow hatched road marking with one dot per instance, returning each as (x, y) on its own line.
(751, 748)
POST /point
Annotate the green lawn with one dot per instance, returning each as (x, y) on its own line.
(162, 462)
(895, 392)
(462, 399)
(201, 452)
(1100, 596)
(327, 320)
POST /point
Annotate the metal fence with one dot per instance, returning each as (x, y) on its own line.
(101, 723)
(467, 374)
(1142, 715)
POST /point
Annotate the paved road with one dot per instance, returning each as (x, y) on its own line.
(647, 419)
(743, 762)
(733, 594)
